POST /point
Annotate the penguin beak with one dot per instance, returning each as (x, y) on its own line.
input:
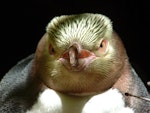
(76, 58)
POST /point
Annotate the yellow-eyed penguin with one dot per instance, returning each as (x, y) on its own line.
(80, 66)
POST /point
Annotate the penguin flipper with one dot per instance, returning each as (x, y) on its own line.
(12, 87)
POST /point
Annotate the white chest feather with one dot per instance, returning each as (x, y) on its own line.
(53, 102)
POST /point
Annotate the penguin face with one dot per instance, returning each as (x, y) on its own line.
(80, 55)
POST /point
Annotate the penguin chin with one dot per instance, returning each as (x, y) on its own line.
(81, 83)
(77, 85)
(78, 89)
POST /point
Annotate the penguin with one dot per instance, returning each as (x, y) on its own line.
(80, 66)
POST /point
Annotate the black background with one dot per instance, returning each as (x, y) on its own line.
(23, 24)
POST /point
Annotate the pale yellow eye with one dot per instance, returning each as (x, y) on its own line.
(103, 46)
(51, 50)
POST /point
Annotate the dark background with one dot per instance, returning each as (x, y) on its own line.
(23, 24)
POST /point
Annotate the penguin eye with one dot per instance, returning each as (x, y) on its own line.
(51, 50)
(103, 46)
